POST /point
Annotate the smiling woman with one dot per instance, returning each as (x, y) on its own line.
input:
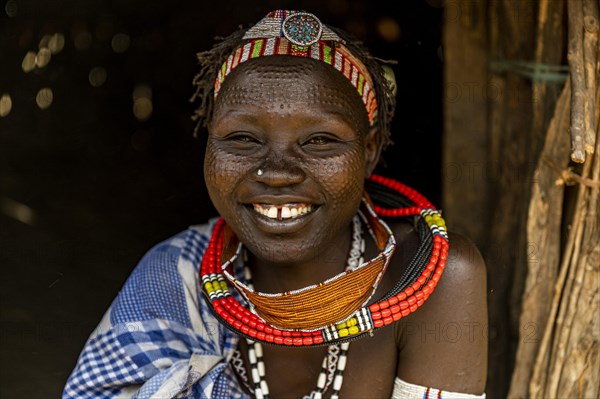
(310, 139)
(297, 116)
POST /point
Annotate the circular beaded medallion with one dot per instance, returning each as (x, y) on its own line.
(302, 29)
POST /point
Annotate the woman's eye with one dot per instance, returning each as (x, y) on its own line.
(243, 138)
(319, 140)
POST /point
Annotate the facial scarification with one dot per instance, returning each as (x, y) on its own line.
(286, 81)
(305, 127)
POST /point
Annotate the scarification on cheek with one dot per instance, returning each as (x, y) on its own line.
(222, 173)
(272, 95)
(343, 175)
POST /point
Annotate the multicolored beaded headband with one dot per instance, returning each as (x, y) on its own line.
(301, 34)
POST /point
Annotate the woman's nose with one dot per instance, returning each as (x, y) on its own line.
(280, 170)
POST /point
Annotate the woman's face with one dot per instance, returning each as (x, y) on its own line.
(304, 127)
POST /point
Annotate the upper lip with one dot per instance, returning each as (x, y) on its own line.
(279, 200)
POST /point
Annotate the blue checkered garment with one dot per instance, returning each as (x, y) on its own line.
(159, 339)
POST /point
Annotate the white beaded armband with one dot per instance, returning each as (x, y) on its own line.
(406, 390)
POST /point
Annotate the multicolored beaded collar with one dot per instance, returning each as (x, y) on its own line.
(301, 34)
(330, 302)
(409, 293)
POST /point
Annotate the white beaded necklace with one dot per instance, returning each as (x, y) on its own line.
(334, 363)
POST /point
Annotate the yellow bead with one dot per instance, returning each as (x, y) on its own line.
(216, 285)
(353, 330)
(340, 326)
(351, 322)
(343, 332)
(224, 286)
(208, 287)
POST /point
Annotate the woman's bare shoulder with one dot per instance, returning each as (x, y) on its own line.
(444, 343)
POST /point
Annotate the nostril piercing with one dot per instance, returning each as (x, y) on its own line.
(259, 172)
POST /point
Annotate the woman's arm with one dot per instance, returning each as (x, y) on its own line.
(444, 344)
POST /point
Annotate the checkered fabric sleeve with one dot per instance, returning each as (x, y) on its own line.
(158, 339)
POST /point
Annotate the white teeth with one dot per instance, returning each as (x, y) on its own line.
(282, 212)
(272, 212)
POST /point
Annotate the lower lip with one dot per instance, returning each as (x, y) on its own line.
(283, 226)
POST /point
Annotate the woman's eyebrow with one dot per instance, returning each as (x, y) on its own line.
(239, 115)
(325, 114)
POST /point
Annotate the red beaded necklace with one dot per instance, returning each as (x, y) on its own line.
(406, 297)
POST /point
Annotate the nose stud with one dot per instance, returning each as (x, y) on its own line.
(259, 172)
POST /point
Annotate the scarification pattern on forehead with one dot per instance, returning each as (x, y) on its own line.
(274, 67)
(278, 82)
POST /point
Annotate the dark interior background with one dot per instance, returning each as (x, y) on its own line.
(86, 187)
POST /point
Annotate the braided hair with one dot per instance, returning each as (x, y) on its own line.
(210, 63)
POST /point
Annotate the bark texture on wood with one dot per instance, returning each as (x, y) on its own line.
(575, 57)
(545, 206)
(514, 147)
(541, 246)
(567, 360)
(543, 231)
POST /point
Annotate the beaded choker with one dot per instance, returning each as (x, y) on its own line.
(409, 293)
(330, 302)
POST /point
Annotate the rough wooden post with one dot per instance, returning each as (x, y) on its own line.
(513, 150)
(545, 207)
(465, 117)
(562, 296)
(543, 228)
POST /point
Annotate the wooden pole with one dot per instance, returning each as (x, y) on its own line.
(545, 207)
(567, 362)
(543, 228)
(465, 117)
(575, 57)
(513, 150)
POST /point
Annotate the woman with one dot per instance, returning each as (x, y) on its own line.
(298, 293)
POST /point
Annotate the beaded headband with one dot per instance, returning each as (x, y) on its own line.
(301, 34)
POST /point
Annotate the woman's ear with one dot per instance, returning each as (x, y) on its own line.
(373, 145)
